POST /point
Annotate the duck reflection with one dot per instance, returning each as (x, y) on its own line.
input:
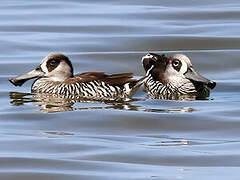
(185, 97)
(58, 103)
(50, 103)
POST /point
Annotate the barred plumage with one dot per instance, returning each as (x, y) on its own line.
(96, 89)
(55, 76)
(170, 77)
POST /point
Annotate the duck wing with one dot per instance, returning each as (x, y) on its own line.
(112, 79)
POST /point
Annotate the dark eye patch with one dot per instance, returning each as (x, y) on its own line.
(176, 64)
(52, 64)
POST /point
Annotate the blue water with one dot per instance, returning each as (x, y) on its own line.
(142, 139)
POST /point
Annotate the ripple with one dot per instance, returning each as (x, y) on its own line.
(47, 138)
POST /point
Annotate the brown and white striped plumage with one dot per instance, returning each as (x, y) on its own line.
(169, 77)
(55, 76)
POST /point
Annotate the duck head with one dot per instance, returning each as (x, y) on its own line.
(55, 67)
(176, 70)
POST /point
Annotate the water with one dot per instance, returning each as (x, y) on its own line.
(142, 139)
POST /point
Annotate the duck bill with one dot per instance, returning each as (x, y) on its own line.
(20, 80)
(192, 75)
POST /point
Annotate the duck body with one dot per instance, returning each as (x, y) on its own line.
(96, 85)
(54, 75)
(173, 77)
(157, 90)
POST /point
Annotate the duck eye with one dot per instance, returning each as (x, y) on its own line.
(176, 63)
(53, 62)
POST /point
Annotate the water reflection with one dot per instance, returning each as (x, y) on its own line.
(185, 97)
(50, 103)
(181, 110)
(170, 141)
(56, 133)
(56, 103)
(181, 142)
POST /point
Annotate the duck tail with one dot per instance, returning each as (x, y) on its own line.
(132, 87)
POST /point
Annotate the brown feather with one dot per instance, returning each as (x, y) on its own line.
(113, 79)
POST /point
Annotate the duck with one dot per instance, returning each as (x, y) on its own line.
(173, 76)
(54, 75)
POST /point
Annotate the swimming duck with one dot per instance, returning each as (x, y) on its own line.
(55, 76)
(172, 76)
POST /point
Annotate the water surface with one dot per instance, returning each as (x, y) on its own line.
(141, 139)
